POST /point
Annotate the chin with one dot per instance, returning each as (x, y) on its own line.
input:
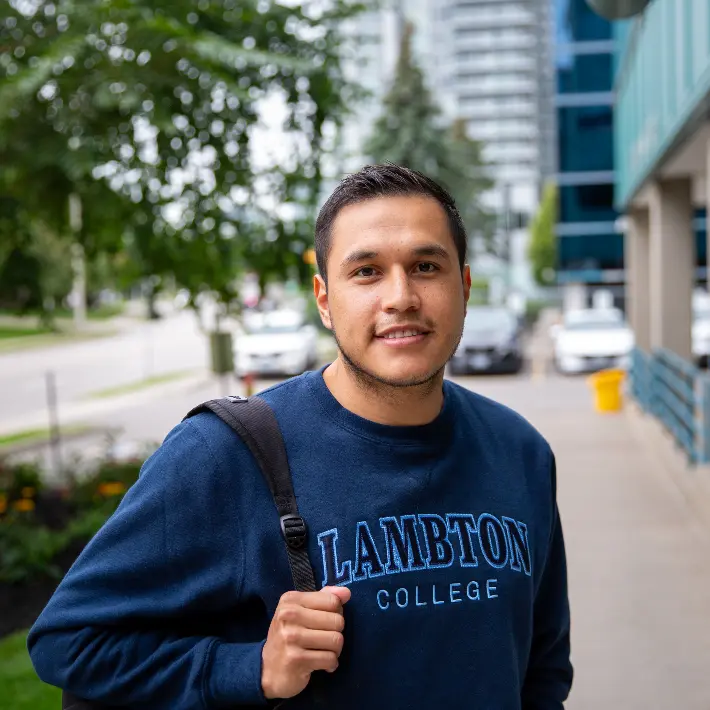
(404, 374)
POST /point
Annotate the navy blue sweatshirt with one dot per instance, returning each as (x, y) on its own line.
(447, 534)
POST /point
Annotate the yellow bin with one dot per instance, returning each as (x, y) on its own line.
(607, 390)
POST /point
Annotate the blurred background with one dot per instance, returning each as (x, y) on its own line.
(161, 167)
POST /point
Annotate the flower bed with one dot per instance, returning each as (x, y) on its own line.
(42, 531)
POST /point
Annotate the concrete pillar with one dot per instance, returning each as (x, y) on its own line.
(672, 265)
(637, 265)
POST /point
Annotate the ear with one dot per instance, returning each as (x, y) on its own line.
(321, 293)
(466, 283)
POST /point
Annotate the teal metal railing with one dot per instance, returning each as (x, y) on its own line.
(676, 393)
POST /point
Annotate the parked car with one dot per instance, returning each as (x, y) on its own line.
(491, 342)
(278, 342)
(592, 339)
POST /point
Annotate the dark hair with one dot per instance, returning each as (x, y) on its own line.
(384, 181)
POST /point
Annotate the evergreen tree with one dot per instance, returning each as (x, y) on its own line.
(410, 132)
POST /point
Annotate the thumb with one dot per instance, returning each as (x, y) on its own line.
(343, 593)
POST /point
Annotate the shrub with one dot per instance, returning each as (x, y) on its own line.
(39, 523)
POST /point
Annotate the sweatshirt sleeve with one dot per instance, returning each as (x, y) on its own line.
(549, 674)
(110, 631)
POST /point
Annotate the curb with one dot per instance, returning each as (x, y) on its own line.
(83, 410)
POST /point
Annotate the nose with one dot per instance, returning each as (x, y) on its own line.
(399, 293)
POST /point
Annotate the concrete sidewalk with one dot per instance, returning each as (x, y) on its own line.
(638, 553)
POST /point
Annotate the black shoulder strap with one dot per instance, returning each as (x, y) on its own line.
(255, 423)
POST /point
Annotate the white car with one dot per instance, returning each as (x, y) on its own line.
(592, 339)
(275, 343)
(701, 333)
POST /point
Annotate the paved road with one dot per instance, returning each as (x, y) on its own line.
(146, 350)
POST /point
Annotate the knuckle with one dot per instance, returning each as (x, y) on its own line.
(289, 597)
(339, 623)
(293, 655)
(291, 635)
(287, 613)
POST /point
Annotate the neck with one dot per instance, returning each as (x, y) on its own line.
(381, 403)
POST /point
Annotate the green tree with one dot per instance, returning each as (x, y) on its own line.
(468, 177)
(410, 132)
(147, 111)
(542, 248)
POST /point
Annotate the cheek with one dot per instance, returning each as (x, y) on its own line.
(446, 304)
(353, 310)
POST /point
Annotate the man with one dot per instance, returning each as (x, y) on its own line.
(434, 526)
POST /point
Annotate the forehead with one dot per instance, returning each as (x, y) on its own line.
(390, 221)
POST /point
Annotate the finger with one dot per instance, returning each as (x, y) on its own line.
(320, 601)
(312, 640)
(319, 661)
(320, 620)
(343, 593)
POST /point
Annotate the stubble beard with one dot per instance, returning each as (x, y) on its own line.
(387, 387)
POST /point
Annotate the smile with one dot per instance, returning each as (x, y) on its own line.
(402, 338)
(402, 334)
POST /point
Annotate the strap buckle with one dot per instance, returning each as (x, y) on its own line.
(294, 531)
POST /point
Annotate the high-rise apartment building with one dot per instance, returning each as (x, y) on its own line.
(487, 61)
(497, 73)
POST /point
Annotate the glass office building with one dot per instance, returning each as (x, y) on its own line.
(590, 249)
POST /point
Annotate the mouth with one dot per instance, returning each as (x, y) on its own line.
(402, 337)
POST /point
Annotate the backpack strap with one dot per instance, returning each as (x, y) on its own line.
(253, 420)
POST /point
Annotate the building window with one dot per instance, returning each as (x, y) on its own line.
(600, 251)
(577, 22)
(581, 73)
(587, 203)
(586, 138)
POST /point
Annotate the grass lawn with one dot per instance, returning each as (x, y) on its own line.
(99, 313)
(20, 688)
(31, 436)
(16, 331)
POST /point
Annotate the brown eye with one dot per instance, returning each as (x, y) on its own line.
(427, 267)
(365, 272)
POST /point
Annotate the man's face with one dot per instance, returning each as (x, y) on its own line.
(396, 296)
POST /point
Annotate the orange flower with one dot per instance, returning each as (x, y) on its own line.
(24, 505)
(115, 488)
(28, 492)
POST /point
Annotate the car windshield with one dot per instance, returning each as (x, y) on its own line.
(485, 319)
(272, 324)
(610, 319)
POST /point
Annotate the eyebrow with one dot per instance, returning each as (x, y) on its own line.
(425, 250)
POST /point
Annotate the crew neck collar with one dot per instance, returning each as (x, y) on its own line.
(436, 432)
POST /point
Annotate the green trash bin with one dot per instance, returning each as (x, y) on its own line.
(221, 353)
